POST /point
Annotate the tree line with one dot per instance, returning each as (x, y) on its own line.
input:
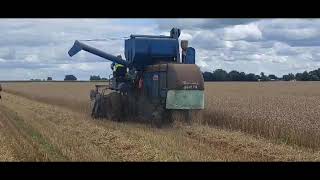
(72, 77)
(305, 76)
(92, 78)
(222, 75)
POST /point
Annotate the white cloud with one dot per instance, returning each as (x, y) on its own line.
(207, 40)
(201, 23)
(249, 32)
(36, 48)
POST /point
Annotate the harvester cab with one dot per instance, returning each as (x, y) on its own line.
(157, 75)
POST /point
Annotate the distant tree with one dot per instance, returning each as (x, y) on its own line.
(95, 78)
(70, 78)
(318, 72)
(305, 76)
(220, 75)
(234, 76)
(263, 77)
(314, 77)
(242, 76)
(298, 76)
(291, 76)
(314, 72)
(49, 79)
(258, 77)
(104, 79)
(207, 76)
(251, 77)
(286, 77)
(272, 76)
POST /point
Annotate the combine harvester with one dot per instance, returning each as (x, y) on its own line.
(156, 80)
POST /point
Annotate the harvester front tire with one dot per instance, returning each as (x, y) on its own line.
(96, 108)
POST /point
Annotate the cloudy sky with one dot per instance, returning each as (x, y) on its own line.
(37, 48)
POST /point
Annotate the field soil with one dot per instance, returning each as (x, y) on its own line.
(36, 126)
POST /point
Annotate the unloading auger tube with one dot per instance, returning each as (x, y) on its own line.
(78, 46)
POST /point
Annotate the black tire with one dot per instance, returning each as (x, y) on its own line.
(115, 106)
(158, 117)
(126, 107)
(99, 109)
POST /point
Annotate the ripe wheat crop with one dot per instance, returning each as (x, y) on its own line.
(285, 111)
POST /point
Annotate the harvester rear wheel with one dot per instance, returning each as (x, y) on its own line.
(115, 107)
(160, 117)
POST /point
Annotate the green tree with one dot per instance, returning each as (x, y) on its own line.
(298, 76)
(234, 76)
(242, 76)
(285, 77)
(305, 76)
(263, 77)
(251, 77)
(95, 78)
(207, 76)
(220, 75)
(291, 76)
(70, 78)
(288, 77)
(314, 77)
(272, 76)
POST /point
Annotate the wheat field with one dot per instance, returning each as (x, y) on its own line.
(73, 95)
(277, 112)
(285, 111)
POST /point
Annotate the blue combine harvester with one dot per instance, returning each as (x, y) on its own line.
(153, 80)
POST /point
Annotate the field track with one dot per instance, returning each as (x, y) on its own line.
(36, 131)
